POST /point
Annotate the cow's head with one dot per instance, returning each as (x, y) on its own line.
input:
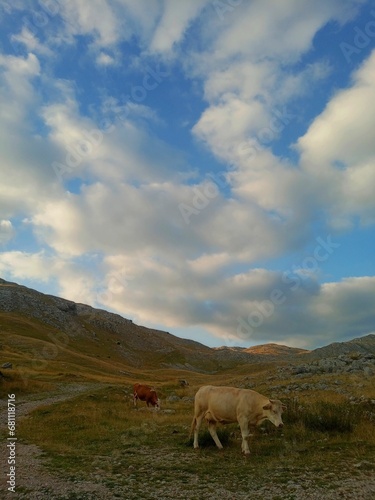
(155, 401)
(272, 411)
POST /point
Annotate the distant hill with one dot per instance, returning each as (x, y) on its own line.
(276, 350)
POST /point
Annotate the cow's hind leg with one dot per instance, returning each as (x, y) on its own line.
(212, 429)
(195, 426)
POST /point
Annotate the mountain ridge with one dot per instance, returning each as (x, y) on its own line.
(138, 346)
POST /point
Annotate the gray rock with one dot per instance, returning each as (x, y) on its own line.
(173, 399)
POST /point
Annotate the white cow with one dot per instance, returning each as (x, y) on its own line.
(228, 405)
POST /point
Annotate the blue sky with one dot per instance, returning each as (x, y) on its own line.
(205, 167)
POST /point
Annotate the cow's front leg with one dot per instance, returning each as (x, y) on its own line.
(135, 399)
(215, 437)
(244, 426)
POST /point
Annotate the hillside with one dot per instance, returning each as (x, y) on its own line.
(88, 331)
(44, 323)
(363, 345)
(39, 328)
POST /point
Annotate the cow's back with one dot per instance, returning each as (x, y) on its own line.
(221, 402)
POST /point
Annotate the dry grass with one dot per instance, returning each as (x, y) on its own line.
(103, 428)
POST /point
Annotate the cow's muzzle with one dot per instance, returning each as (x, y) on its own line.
(281, 426)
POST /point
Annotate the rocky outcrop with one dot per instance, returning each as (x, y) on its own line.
(361, 346)
(357, 355)
(344, 363)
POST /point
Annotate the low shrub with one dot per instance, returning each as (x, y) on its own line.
(329, 417)
(323, 416)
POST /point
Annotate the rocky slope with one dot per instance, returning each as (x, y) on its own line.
(136, 345)
(357, 355)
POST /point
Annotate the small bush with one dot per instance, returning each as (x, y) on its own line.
(329, 417)
(293, 413)
(322, 416)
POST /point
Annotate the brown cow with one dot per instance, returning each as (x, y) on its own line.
(146, 393)
(228, 405)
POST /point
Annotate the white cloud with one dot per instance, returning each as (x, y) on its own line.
(272, 30)
(343, 132)
(338, 150)
(248, 69)
(75, 282)
(6, 231)
(174, 21)
(104, 59)
(18, 91)
(112, 218)
(158, 26)
(225, 126)
(97, 19)
(22, 265)
(250, 306)
(27, 178)
(31, 42)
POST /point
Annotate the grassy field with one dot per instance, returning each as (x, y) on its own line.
(101, 436)
(138, 453)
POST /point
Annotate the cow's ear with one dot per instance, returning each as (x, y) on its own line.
(267, 406)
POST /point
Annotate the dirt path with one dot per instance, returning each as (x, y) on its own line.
(26, 405)
(33, 480)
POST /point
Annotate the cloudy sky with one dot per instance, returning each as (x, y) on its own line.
(206, 167)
